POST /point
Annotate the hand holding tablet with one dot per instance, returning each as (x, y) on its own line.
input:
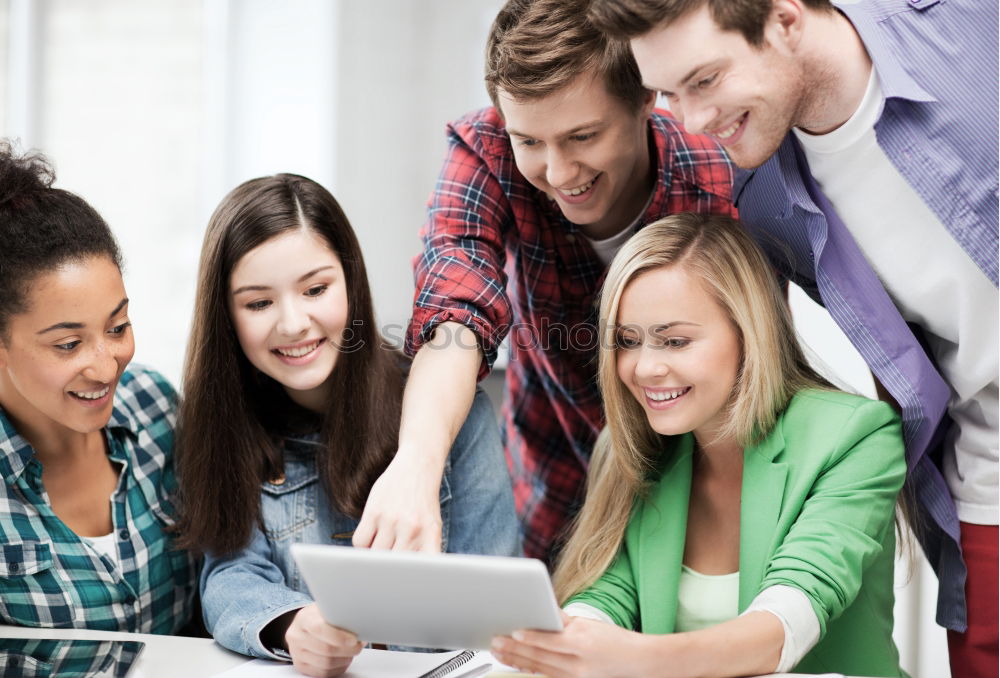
(430, 600)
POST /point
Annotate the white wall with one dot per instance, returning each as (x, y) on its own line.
(408, 68)
(4, 57)
(153, 110)
(119, 111)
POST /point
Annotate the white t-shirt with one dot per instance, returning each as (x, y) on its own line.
(704, 600)
(607, 249)
(933, 283)
(105, 545)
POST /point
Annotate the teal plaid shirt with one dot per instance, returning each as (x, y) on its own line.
(50, 577)
(43, 658)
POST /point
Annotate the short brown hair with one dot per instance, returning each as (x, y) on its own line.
(536, 47)
(624, 19)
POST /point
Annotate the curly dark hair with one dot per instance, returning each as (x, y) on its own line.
(41, 227)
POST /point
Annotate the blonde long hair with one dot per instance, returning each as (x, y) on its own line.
(718, 251)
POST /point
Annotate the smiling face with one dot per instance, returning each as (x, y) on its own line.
(677, 352)
(288, 302)
(747, 98)
(61, 359)
(585, 149)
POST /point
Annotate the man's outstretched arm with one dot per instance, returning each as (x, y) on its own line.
(403, 511)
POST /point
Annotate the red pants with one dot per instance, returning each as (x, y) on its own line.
(974, 654)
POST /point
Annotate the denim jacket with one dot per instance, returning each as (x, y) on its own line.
(244, 592)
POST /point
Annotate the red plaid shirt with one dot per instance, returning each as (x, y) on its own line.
(500, 257)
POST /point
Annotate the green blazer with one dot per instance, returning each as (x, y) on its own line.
(817, 512)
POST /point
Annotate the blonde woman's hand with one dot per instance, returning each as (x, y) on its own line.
(318, 649)
(585, 648)
(403, 511)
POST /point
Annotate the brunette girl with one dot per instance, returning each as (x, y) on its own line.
(292, 399)
(78, 426)
(739, 513)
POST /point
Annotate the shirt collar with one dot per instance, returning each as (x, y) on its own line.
(894, 79)
(784, 172)
(16, 452)
(123, 414)
(668, 161)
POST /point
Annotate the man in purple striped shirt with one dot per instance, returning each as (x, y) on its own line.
(869, 136)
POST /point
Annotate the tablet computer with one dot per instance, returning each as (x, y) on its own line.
(430, 600)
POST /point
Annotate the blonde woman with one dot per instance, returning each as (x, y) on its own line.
(739, 510)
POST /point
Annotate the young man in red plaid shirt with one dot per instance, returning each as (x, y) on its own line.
(535, 196)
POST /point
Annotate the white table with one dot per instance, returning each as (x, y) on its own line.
(173, 656)
(163, 656)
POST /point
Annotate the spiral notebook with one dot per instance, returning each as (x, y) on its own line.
(446, 667)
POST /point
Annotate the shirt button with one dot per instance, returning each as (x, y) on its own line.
(571, 238)
(123, 534)
(14, 568)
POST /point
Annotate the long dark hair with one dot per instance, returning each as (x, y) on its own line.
(41, 228)
(225, 445)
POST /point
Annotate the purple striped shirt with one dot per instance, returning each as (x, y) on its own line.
(937, 62)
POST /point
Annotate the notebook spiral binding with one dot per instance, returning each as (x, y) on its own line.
(450, 665)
